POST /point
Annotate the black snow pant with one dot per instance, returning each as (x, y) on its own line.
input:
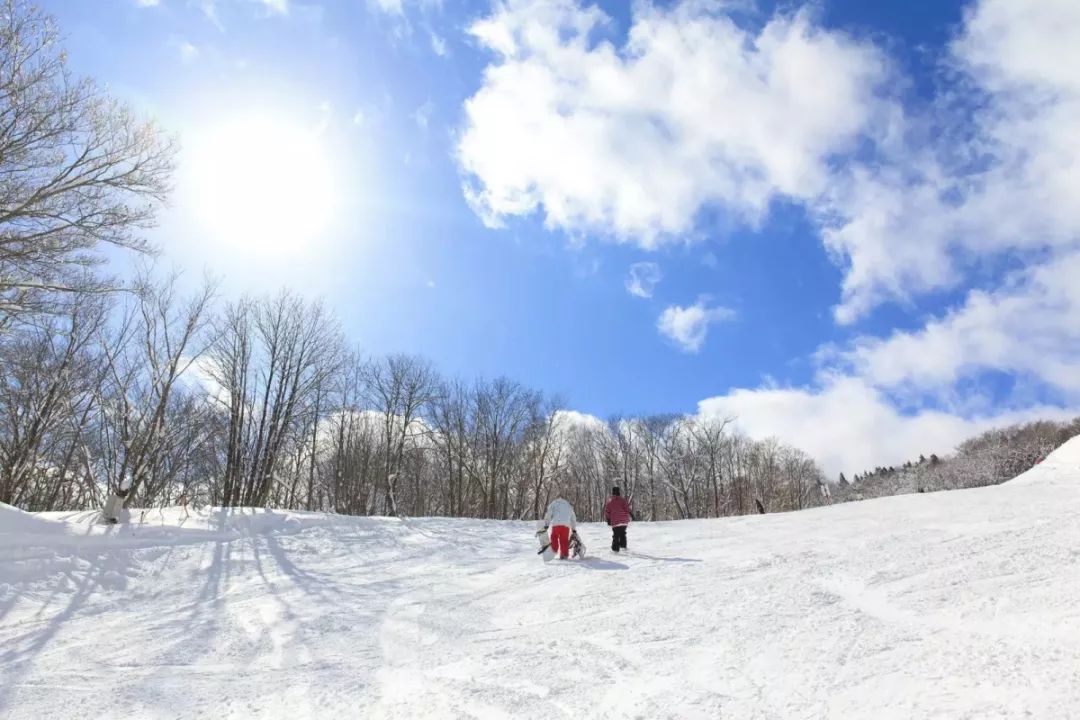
(618, 538)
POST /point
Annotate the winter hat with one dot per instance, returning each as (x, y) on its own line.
(616, 491)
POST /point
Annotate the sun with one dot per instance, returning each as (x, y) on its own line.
(263, 185)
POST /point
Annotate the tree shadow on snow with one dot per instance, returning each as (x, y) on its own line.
(20, 653)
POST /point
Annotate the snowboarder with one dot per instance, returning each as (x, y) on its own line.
(561, 519)
(618, 515)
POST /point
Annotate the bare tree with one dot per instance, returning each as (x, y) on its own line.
(352, 458)
(158, 339)
(710, 437)
(399, 387)
(77, 168)
(503, 410)
(48, 378)
(667, 438)
(449, 416)
(270, 359)
(626, 457)
(544, 458)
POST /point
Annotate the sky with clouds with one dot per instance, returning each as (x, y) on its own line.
(850, 225)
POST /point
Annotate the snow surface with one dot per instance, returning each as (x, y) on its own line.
(948, 605)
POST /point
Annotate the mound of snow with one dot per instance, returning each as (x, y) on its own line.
(16, 522)
(1062, 465)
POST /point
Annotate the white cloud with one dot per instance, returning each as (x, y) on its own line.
(1001, 179)
(567, 419)
(687, 327)
(904, 237)
(390, 7)
(634, 141)
(643, 278)
(278, 6)
(1031, 328)
(848, 426)
(1012, 44)
(400, 8)
(438, 45)
(188, 52)
(326, 117)
(848, 419)
(147, 3)
(422, 115)
(210, 12)
(202, 374)
(210, 9)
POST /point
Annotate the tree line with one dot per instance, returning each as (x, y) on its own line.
(156, 395)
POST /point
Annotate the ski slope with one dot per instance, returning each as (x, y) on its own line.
(948, 605)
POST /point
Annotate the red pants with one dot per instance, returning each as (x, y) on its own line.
(560, 540)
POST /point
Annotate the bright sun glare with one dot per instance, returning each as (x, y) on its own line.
(263, 185)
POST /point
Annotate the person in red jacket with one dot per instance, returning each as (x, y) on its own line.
(618, 515)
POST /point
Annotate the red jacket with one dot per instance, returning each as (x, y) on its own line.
(617, 511)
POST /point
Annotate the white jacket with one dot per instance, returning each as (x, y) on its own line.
(560, 512)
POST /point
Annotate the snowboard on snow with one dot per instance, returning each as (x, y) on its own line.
(545, 545)
(577, 548)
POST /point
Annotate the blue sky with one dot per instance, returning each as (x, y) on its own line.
(851, 223)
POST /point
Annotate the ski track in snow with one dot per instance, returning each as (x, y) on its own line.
(947, 605)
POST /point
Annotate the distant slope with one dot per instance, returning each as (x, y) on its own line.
(948, 605)
(1062, 465)
(993, 457)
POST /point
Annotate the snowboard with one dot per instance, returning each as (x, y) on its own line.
(577, 548)
(545, 545)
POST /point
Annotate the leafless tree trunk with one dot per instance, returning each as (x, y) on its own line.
(399, 387)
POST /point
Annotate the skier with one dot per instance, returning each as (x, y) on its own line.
(561, 519)
(618, 515)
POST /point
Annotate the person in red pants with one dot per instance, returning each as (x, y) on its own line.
(618, 515)
(561, 519)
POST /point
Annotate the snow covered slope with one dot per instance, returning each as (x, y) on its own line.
(1060, 466)
(948, 605)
